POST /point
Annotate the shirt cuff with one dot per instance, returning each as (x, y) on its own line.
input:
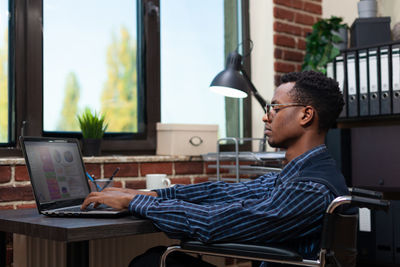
(140, 204)
(166, 193)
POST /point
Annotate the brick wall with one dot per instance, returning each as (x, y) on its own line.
(16, 191)
(293, 19)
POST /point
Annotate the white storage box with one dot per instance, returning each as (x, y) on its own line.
(186, 139)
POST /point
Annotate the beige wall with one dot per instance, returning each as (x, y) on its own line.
(262, 63)
(389, 8)
(346, 9)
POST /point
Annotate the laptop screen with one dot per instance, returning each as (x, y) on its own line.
(56, 170)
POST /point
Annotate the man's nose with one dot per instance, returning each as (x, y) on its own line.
(265, 118)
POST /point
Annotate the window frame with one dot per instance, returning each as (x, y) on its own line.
(247, 68)
(11, 81)
(26, 78)
(29, 78)
(122, 143)
(11, 74)
(246, 65)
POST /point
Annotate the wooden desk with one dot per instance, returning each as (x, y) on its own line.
(75, 231)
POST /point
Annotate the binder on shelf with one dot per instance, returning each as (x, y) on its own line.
(385, 94)
(396, 78)
(352, 98)
(363, 83)
(373, 81)
(339, 71)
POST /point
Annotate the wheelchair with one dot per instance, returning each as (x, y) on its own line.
(338, 243)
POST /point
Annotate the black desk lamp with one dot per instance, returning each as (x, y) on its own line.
(234, 82)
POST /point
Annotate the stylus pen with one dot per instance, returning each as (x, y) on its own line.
(111, 178)
(93, 181)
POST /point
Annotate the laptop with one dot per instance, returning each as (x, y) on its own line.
(58, 178)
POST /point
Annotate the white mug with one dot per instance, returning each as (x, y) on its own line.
(157, 181)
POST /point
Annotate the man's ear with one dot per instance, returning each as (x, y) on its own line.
(308, 116)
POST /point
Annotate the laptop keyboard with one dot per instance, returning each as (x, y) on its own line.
(77, 209)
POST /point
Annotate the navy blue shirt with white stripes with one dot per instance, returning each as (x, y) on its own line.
(268, 209)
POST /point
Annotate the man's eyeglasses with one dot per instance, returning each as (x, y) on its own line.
(277, 107)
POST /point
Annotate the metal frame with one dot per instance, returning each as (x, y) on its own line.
(319, 263)
(236, 153)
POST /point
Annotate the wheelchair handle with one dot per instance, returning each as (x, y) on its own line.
(365, 193)
(364, 202)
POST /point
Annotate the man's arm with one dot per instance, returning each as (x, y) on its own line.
(291, 211)
(211, 192)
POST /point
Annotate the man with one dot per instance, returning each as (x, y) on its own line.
(287, 207)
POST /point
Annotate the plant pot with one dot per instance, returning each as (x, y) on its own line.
(91, 147)
(342, 32)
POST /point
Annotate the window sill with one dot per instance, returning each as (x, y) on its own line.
(114, 159)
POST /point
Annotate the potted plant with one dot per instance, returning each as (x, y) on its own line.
(320, 43)
(92, 127)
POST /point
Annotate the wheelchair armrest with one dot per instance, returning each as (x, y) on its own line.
(371, 203)
(365, 193)
(244, 250)
(360, 202)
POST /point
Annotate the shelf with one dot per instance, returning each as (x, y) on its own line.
(248, 169)
(245, 156)
(230, 179)
(367, 121)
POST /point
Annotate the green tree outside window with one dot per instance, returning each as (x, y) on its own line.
(67, 121)
(119, 94)
(119, 97)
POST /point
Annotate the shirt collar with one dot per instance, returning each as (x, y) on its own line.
(292, 168)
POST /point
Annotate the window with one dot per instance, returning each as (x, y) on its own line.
(39, 55)
(4, 73)
(90, 62)
(196, 37)
(68, 55)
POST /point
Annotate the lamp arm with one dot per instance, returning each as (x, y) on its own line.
(253, 89)
(262, 102)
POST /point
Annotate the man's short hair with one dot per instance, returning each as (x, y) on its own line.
(315, 89)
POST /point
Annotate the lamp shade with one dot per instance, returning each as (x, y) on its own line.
(231, 82)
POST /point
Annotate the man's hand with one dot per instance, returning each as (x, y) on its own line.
(117, 198)
(123, 190)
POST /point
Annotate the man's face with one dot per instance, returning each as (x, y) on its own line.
(281, 126)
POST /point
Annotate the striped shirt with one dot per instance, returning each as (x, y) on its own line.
(268, 209)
